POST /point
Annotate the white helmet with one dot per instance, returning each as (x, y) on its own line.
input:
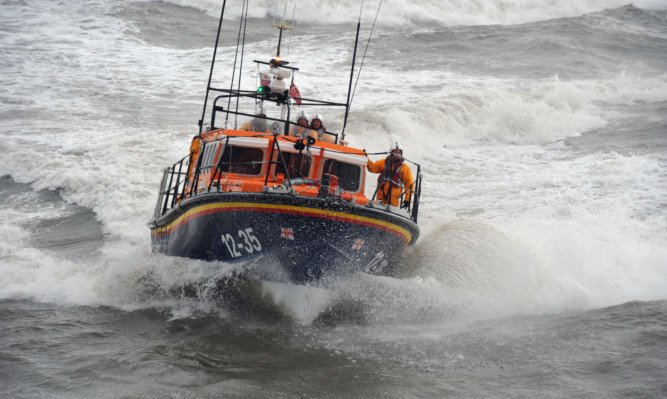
(302, 115)
(318, 116)
(396, 146)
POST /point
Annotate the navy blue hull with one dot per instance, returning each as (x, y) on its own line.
(310, 237)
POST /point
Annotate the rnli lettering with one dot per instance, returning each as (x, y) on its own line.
(248, 242)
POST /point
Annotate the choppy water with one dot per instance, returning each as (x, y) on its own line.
(541, 128)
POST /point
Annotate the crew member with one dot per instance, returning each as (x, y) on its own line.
(302, 129)
(257, 124)
(319, 132)
(395, 177)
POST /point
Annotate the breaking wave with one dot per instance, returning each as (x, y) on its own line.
(548, 112)
(445, 12)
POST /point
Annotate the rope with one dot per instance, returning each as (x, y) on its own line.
(236, 56)
(365, 50)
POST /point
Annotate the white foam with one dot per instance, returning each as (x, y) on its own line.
(304, 303)
(496, 112)
(448, 12)
(122, 276)
(27, 273)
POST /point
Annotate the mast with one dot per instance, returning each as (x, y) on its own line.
(210, 75)
(349, 89)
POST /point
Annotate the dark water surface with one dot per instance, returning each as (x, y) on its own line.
(618, 352)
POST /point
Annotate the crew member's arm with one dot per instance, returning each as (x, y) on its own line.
(406, 176)
(375, 167)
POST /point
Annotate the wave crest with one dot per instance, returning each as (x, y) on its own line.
(439, 12)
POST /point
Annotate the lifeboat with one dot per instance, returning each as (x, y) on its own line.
(293, 205)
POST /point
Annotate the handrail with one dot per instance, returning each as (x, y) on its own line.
(229, 94)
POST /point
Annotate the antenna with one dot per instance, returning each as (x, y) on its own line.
(362, 59)
(289, 45)
(282, 26)
(275, 13)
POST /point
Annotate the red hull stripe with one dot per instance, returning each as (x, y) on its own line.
(202, 210)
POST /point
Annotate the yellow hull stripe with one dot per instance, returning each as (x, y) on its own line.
(286, 209)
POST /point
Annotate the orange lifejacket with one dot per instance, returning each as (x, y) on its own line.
(395, 178)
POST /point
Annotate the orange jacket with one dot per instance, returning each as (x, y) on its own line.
(300, 131)
(404, 174)
(321, 135)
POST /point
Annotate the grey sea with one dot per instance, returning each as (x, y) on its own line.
(541, 270)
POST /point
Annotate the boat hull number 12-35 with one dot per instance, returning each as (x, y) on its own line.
(245, 240)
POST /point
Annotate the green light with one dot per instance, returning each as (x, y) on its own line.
(261, 89)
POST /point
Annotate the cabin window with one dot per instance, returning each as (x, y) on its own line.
(242, 160)
(349, 175)
(294, 167)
